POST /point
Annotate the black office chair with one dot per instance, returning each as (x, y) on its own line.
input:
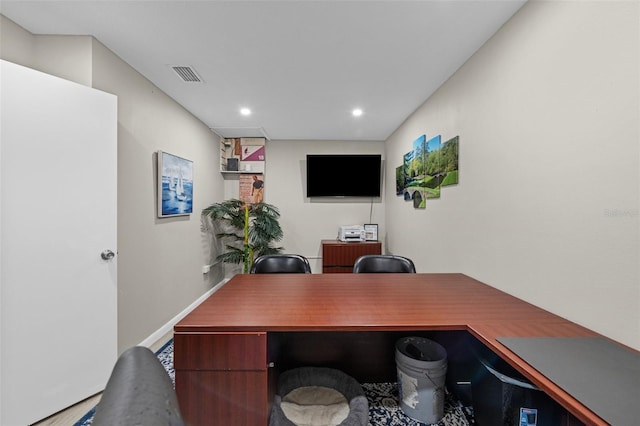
(383, 263)
(280, 264)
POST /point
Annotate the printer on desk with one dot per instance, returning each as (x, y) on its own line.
(351, 233)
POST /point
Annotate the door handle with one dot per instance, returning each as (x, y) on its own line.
(107, 255)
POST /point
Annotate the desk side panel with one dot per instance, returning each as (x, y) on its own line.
(229, 398)
(220, 351)
(222, 378)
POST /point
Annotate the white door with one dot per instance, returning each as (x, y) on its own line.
(58, 164)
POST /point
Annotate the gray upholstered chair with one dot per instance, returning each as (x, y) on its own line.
(383, 263)
(139, 392)
(281, 264)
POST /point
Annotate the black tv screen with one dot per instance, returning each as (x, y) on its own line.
(343, 175)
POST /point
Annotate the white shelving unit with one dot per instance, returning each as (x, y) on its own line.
(232, 160)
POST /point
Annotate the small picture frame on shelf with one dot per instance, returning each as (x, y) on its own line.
(371, 232)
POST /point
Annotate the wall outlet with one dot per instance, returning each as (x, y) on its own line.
(206, 269)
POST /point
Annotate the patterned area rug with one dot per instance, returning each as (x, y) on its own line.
(384, 409)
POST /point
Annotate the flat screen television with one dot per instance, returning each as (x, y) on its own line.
(345, 175)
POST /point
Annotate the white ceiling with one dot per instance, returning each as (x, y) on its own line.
(301, 66)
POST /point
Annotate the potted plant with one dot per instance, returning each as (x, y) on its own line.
(250, 230)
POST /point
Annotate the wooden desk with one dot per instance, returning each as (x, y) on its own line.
(223, 348)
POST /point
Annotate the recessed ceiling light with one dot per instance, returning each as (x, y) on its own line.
(245, 111)
(356, 112)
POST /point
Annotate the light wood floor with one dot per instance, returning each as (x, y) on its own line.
(71, 415)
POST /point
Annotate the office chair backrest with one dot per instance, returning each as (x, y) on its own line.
(281, 264)
(139, 392)
(383, 263)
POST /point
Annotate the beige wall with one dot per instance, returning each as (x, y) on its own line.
(68, 57)
(307, 221)
(547, 207)
(159, 260)
(16, 44)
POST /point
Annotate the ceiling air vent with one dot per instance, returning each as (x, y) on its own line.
(187, 74)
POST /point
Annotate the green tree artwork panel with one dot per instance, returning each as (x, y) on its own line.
(450, 161)
(428, 167)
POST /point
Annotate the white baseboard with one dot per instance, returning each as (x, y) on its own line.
(157, 335)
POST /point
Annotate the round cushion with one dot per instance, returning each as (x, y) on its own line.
(315, 405)
(314, 396)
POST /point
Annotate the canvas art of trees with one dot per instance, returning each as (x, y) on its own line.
(429, 166)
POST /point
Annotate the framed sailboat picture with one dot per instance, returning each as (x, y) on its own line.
(175, 185)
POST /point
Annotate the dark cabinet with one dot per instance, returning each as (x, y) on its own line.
(339, 256)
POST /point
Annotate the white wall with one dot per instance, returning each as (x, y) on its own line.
(547, 207)
(307, 221)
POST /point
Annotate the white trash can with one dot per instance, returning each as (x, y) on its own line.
(422, 368)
